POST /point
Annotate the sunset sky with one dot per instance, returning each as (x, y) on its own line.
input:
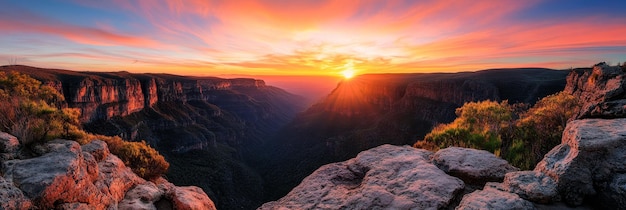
(310, 37)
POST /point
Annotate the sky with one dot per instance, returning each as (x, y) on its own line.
(310, 37)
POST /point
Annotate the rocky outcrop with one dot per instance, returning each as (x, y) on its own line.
(385, 177)
(68, 176)
(471, 165)
(602, 91)
(590, 161)
(588, 168)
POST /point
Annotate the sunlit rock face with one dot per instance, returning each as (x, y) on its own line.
(101, 96)
(602, 91)
(70, 176)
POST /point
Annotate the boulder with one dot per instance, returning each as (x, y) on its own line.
(191, 197)
(115, 179)
(165, 196)
(492, 198)
(385, 177)
(59, 175)
(472, 166)
(142, 197)
(589, 162)
(531, 185)
(602, 91)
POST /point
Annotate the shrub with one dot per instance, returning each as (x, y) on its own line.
(477, 126)
(144, 160)
(32, 111)
(492, 126)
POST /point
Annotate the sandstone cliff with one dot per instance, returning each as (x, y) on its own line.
(66, 175)
(101, 96)
(602, 90)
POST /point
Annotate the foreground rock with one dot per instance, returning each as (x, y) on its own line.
(471, 165)
(531, 185)
(601, 89)
(68, 176)
(590, 162)
(385, 177)
(492, 198)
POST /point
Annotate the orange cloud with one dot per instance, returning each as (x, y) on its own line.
(325, 36)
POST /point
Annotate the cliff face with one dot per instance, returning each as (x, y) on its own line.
(602, 89)
(101, 96)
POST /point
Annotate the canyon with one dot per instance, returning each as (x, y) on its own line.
(245, 143)
(585, 171)
(210, 129)
(399, 109)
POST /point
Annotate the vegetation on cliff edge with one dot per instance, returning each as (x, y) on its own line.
(519, 135)
(35, 113)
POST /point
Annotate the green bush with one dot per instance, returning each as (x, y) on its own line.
(493, 126)
(477, 126)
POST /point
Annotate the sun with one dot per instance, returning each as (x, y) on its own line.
(348, 73)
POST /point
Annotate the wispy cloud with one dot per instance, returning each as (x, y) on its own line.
(323, 36)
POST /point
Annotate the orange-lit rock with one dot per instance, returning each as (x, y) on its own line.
(68, 176)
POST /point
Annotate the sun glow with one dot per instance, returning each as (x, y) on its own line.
(348, 73)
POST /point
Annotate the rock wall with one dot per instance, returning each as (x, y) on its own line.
(66, 175)
(601, 89)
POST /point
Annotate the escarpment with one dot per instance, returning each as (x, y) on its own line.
(101, 96)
